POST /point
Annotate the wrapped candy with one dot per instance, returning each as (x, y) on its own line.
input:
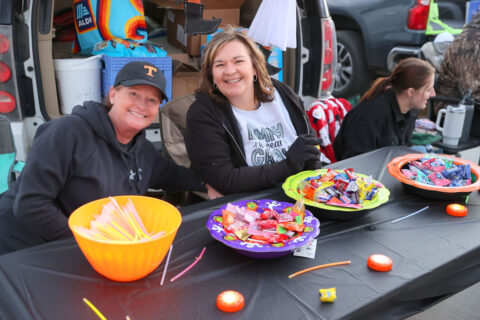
(411, 174)
(340, 188)
(263, 226)
(437, 171)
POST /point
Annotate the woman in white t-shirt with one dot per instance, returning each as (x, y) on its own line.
(246, 131)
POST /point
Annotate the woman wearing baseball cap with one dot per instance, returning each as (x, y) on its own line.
(96, 152)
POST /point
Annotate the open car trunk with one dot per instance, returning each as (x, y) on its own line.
(28, 25)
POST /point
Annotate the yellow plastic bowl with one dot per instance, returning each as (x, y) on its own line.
(122, 260)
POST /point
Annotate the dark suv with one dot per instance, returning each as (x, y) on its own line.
(372, 36)
(28, 94)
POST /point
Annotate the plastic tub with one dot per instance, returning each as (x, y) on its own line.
(78, 80)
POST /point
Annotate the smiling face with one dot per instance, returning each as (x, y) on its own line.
(419, 97)
(133, 109)
(233, 73)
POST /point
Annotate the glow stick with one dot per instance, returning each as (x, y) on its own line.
(411, 214)
(136, 218)
(109, 231)
(97, 312)
(118, 218)
(109, 208)
(117, 223)
(121, 230)
(189, 267)
(88, 234)
(134, 212)
(166, 265)
(129, 218)
(341, 263)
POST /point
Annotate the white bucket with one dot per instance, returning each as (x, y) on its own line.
(78, 80)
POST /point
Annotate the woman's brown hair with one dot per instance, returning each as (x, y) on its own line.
(409, 73)
(263, 87)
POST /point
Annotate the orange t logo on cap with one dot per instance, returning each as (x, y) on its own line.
(150, 69)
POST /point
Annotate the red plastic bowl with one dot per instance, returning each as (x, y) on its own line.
(434, 192)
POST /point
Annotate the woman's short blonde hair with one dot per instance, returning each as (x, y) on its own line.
(263, 87)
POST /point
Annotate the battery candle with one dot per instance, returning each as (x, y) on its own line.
(230, 301)
(380, 262)
(457, 210)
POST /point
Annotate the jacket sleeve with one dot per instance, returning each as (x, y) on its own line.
(47, 170)
(211, 152)
(169, 176)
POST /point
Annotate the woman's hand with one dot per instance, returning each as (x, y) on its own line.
(212, 193)
(304, 150)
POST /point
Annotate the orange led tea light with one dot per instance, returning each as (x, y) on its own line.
(380, 262)
(457, 210)
(230, 301)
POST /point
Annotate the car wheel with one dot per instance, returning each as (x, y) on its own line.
(352, 75)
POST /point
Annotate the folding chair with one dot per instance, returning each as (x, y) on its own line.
(173, 125)
(8, 165)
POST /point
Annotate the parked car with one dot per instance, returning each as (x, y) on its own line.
(372, 36)
(28, 93)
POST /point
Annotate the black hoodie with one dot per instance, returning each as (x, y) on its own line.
(75, 160)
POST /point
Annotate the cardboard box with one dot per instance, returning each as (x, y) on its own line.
(185, 79)
(182, 57)
(191, 44)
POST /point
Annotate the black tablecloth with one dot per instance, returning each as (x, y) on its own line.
(434, 255)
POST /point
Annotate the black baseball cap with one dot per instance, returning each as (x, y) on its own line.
(141, 72)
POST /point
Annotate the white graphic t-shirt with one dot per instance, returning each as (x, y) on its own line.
(267, 132)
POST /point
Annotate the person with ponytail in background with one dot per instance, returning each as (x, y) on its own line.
(387, 112)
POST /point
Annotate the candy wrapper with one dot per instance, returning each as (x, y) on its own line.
(340, 188)
(437, 171)
(264, 226)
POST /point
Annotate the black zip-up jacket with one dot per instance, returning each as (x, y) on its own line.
(215, 147)
(74, 160)
(373, 124)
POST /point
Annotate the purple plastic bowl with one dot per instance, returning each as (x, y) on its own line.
(262, 251)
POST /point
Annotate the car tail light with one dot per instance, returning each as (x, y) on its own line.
(7, 102)
(4, 44)
(8, 95)
(5, 73)
(418, 15)
(329, 56)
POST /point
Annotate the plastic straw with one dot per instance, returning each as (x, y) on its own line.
(97, 312)
(333, 264)
(411, 214)
(166, 265)
(189, 267)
